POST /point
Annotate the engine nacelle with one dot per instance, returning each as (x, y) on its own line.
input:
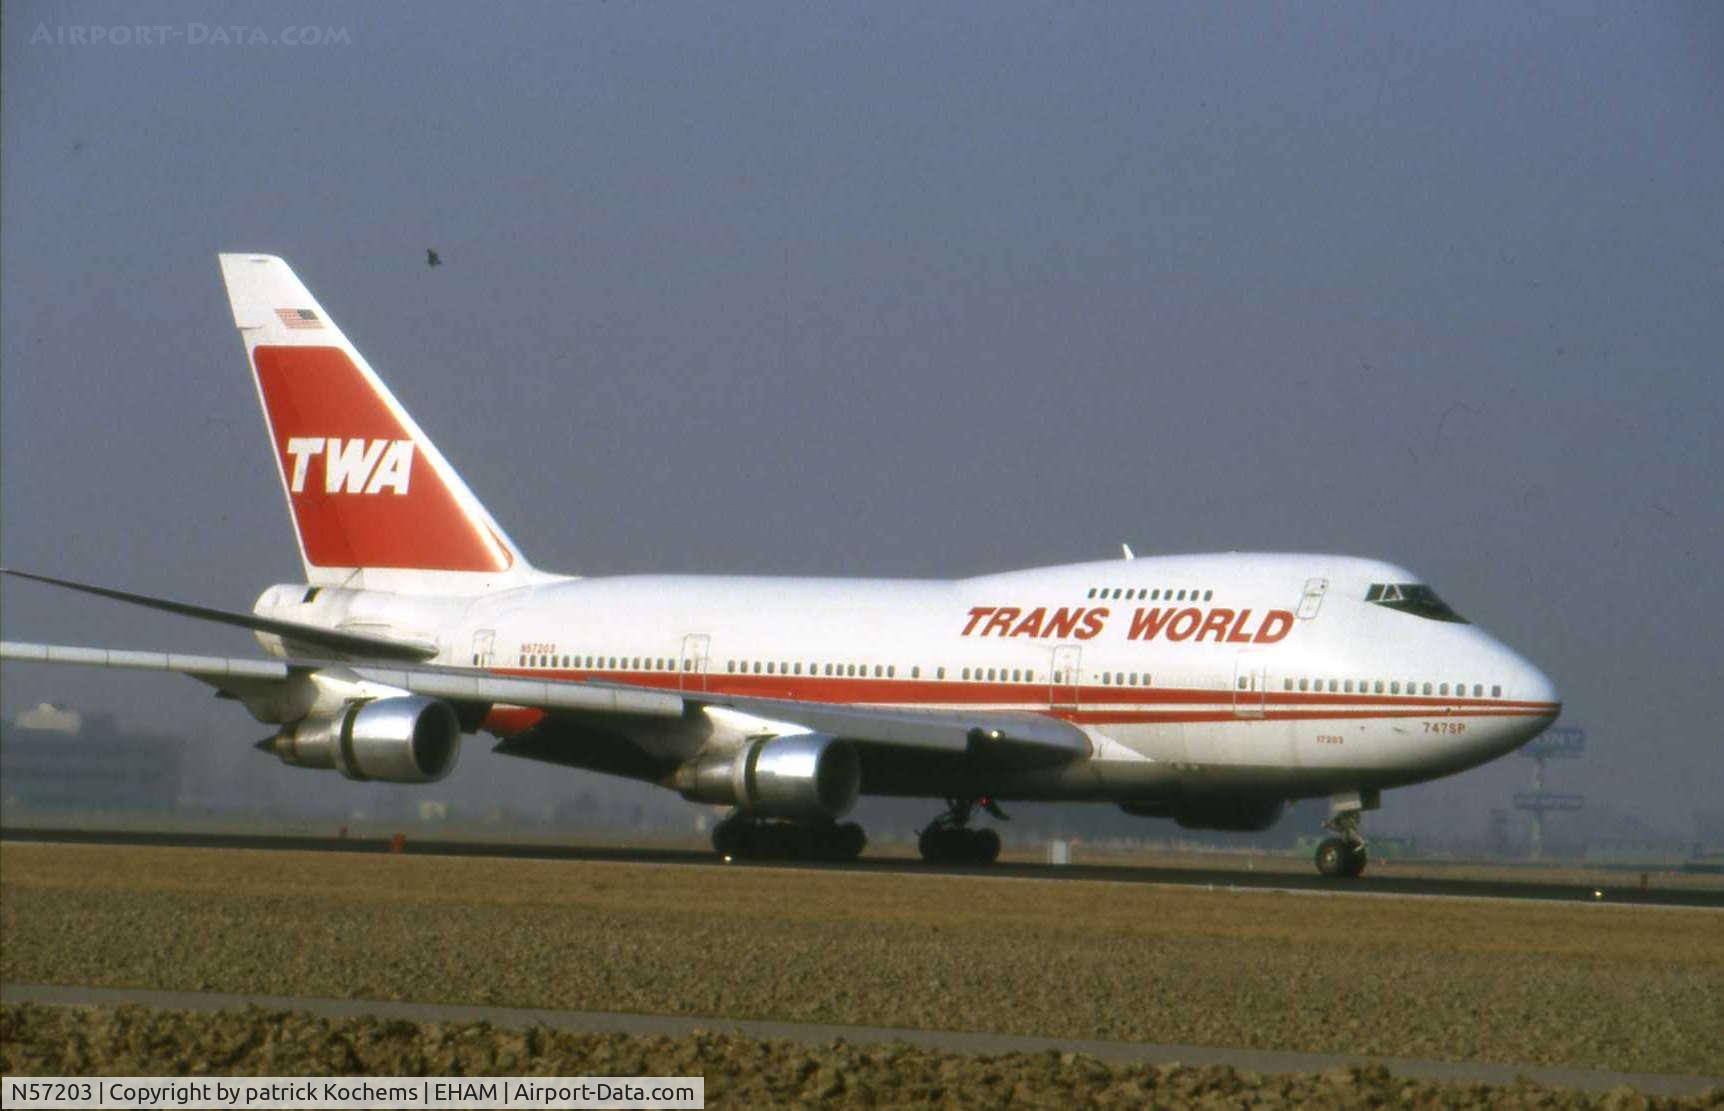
(1238, 815)
(803, 776)
(397, 740)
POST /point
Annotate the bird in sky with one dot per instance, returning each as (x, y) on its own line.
(431, 258)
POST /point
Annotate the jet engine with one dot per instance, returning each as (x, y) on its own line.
(1238, 815)
(408, 739)
(803, 776)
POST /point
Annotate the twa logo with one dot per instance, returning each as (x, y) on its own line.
(352, 466)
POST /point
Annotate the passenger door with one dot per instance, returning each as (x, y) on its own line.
(1250, 685)
(1312, 600)
(691, 668)
(1064, 677)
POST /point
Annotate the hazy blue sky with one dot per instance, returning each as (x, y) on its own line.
(903, 290)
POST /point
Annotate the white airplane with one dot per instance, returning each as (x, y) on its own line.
(1210, 689)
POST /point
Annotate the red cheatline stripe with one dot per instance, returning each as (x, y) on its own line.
(1175, 717)
(1125, 705)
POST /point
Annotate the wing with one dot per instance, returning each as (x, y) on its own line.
(248, 679)
(1009, 737)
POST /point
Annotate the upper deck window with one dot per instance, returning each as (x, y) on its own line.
(1414, 598)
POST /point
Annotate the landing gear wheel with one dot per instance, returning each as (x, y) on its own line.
(730, 837)
(744, 837)
(1342, 856)
(949, 840)
(1332, 857)
(840, 842)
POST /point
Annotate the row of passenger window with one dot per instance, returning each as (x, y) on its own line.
(981, 675)
(607, 663)
(1378, 686)
(833, 670)
(1156, 595)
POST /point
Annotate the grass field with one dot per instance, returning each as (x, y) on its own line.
(738, 1071)
(1592, 986)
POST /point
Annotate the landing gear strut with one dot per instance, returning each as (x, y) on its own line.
(747, 837)
(1343, 856)
(949, 840)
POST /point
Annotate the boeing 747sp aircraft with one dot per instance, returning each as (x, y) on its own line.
(1209, 689)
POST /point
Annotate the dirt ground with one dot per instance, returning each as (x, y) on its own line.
(1590, 986)
(738, 1071)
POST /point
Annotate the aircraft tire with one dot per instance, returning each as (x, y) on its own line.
(1332, 857)
(848, 841)
(729, 838)
(1357, 858)
(944, 846)
(959, 846)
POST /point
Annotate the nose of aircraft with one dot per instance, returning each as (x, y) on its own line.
(1537, 701)
(1541, 688)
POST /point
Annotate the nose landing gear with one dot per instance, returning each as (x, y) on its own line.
(949, 840)
(1344, 856)
(1339, 860)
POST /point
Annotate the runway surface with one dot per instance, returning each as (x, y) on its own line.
(1627, 893)
(954, 1041)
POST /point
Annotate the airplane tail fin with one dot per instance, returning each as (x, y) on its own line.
(373, 501)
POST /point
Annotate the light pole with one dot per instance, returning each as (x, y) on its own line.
(1566, 743)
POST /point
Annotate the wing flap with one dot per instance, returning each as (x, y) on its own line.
(1012, 736)
(454, 685)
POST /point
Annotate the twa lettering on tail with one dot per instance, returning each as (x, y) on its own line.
(356, 466)
(409, 512)
(367, 489)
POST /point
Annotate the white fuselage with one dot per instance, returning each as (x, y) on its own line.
(1249, 673)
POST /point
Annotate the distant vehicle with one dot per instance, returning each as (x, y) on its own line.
(1210, 689)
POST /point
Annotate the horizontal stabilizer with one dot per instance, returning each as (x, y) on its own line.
(350, 644)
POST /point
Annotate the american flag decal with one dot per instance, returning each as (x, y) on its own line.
(299, 318)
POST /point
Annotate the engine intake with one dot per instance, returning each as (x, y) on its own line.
(396, 740)
(803, 776)
(1239, 815)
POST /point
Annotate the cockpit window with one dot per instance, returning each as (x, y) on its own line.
(1414, 598)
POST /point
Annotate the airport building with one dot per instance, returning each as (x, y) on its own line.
(58, 759)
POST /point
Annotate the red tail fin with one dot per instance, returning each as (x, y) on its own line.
(366, 487)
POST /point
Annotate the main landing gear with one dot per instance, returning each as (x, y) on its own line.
(750, 838)
(1343, 856)
(949, 840)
